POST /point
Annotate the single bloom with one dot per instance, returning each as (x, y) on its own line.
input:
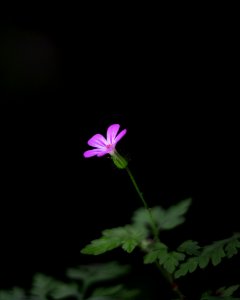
(104, 146)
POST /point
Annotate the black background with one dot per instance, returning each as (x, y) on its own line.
(66, 77)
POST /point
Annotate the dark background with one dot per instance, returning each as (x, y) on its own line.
(64, 77)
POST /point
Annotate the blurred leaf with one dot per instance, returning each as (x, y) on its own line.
(14, 294)
(223, 294)
(174, 215)
(217, 256)
(228, 291)
(116, 292)
(107, 291)
(218, 298)
(42, 286)
(215, 252)
(63, 290)
(5, 295)
(100, 298)
(203, 261)
(90, 274)
(128, 294)
(232, 247)
(46, 288)
(165, 218)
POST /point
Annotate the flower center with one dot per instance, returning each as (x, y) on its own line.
(110, 148)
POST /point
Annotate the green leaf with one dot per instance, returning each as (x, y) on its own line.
(128, 294)
(107, 291)
(174, 215)
(217, 256)
(101, 245)
(100, 298)
(5, 295)
(94, 273)
(208, 297)
(114, 292)
(117, 291)
(14, 294)
(214, 253)
(232, 247)
(171, 261)
(63, 290)
(192, 264)
(128, 237)
(182, 271)
(157, 251)
(189, 247)
(42, 286)
(129, 245)
(141, 218)
(228, 291)
(203, 261)
(189, 266)
(165, 218)
(223, 293)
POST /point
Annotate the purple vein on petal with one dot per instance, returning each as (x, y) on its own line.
(112, 132)
(97, 141)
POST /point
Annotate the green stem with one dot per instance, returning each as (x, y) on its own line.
(153, 224)
(170, 280)
(165, 273)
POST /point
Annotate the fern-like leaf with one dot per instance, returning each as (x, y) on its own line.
(155, 252)
(127, 237)
(165, 218)
(159, 253)
(211, 253)
(189, 247)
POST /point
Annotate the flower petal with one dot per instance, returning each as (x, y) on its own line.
(97, 141)
(102, 153)
(120, 135)
(112, 132)
(93, 152)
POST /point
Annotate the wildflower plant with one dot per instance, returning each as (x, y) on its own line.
(147, 223)
(101, 281)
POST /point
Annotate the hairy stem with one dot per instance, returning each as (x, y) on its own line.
(153, 224)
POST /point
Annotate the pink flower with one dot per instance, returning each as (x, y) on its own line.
(105, 146)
